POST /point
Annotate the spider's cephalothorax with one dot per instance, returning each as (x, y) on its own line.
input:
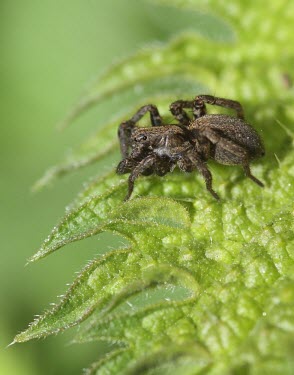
(188, 144)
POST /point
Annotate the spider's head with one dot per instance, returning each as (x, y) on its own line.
(145, 138)
(161, 140)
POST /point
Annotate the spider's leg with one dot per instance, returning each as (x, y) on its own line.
(124, 135)
(202, 168)
(221, 102)
(238, 154)
(247, 171)
(177, 109)
(190, 160)
(155, 117)
(137, 171)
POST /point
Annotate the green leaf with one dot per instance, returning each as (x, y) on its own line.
(103, 285)
(107, 212)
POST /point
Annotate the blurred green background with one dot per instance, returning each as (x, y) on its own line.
(49, 51)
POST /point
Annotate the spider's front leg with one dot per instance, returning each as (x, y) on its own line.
(125, 129)
(144, 165)
(124, 135)
(177, 110)
(221, 102)
(155, 117)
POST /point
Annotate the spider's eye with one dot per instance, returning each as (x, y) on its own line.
(141, 138)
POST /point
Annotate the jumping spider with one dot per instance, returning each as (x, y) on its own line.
(188, 144)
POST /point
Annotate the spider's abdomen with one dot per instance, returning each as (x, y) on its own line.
(233, 129)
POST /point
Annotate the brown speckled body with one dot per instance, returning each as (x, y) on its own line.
(190, 143)
(232, 129)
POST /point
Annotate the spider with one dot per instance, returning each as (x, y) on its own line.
(190, 143)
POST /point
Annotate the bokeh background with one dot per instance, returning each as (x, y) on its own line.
(49, 51)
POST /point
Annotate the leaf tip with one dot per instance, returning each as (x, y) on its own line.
(37, 186)
(38, 255)
(12, 343)
(47, 177)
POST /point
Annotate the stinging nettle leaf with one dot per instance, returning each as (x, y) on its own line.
(107, 211)
(103, 285)
(85, 221)
(187, 358)
(90, 289)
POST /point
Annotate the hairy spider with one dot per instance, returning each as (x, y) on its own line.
(190, 143)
